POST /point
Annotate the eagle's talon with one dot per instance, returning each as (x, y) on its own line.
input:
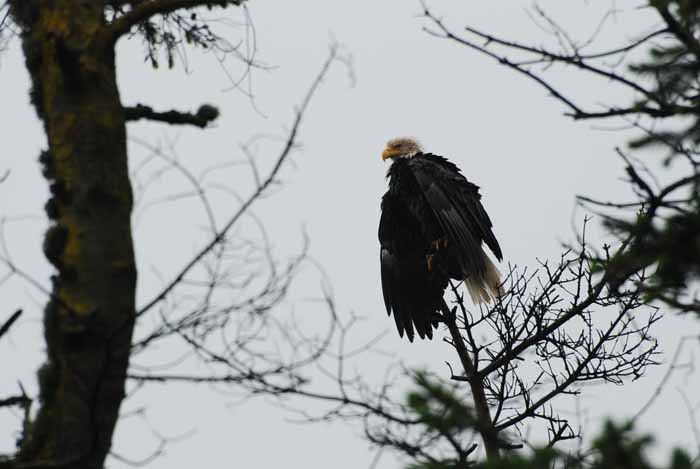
(440, 243)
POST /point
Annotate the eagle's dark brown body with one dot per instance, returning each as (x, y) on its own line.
(431, 229)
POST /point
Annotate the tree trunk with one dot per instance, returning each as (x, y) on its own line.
(89, 319)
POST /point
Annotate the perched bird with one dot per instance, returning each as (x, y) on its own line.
(431, 230)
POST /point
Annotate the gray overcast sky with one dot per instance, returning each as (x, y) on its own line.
(502, 130)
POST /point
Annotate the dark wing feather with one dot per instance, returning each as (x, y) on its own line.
(391, 288)
(461, 235)
(457, 207)
(411, 292)
(395, 300)
(387, 267)
(471, 200)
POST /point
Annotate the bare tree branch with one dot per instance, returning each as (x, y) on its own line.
(8, 323)
(204, 116)
(257, 193)
(144, 10)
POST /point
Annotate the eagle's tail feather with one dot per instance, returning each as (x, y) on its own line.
(487, 286)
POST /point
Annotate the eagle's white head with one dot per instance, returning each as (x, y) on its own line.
(402, 147)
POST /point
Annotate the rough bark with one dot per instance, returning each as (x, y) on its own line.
(89, 319)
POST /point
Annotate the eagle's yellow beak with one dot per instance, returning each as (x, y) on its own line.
(388, 153)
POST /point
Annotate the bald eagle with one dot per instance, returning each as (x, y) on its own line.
(431, 230)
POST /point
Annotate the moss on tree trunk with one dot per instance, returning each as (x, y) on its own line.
(89, 319)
